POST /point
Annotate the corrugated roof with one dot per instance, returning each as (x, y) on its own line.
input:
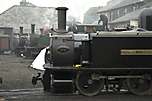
(126, 3)
(106, 8)
(17, 16)
(119, 5)
(147, 5)
(132, 15)
(129, 16)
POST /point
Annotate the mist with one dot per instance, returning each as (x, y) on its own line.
(77, 8)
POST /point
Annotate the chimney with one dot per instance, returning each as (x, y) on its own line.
(41, 30)
(62, 18)
(23, 3)
(21, 30)
(32, 28)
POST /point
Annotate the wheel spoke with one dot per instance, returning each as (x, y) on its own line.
(139, 86)
(87, 86)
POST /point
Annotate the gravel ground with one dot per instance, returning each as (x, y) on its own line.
(17, 86)
(39, 95)
(16, 73)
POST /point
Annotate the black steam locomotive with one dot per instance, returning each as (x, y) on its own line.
(95, 62)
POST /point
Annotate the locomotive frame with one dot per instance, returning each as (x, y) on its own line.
(97, 76)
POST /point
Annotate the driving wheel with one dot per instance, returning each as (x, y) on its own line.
(87, 85)
(139, 86)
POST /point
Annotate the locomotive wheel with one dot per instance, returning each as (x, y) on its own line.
(88, 86)
(46, 80)
(139, 86)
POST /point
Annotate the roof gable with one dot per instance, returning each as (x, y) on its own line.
(17, 16)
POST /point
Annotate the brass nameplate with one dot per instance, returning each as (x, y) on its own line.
(136, 52)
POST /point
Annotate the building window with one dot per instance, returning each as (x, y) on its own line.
(125, 11)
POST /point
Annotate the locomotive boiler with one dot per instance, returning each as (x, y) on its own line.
(94, 62)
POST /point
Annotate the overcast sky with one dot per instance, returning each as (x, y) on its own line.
(76, 7)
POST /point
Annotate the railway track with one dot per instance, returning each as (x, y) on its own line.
(37, 94)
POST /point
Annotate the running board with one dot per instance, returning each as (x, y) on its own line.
(94, 77)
